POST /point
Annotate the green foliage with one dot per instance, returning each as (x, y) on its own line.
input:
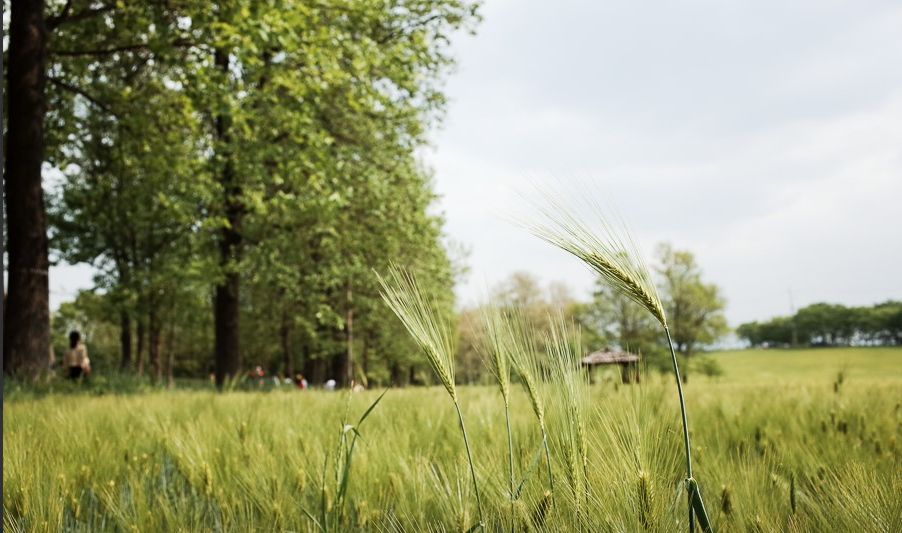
(830, 325)
(694, 308)
(625, 324)
(270, 142)
(707, 366)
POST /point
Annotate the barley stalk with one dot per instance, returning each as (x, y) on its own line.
(523, 354)
(565, 373)
(499, 363)
(614, 255)
(407, 300)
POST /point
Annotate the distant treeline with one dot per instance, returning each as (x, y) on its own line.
(824, 324)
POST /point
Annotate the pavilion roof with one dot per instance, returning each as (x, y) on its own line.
(608, 357)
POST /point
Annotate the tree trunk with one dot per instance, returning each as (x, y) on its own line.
(397, 375)
(170, 350)
(156, 357)
(125, 340)
(228, 355)
(27, 330)
(349, 328)
(365, 361)
(139, 356)
(285, 336)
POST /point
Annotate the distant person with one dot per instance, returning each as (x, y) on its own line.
(300, 381)
(76, 357)
(330, 385)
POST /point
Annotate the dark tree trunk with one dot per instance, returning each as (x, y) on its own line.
(228, 361)
(338, 362)
(156, 356)
(170, 351)
(349, 329)
(228, 354)
(125, 340)
(365, 360)
(285, 336)
(26, 339)
(139, 355)
(397, 375)
(315, 370)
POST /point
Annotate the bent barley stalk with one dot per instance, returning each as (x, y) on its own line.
(524, 355)
(499, 364)
(406, 299)
(612, 253)
(562, 349)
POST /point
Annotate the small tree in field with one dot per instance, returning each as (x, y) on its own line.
(694, 308)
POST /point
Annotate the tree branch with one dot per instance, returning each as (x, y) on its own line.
(178, 43)
(75, 90)
(64, 16)
(54, 21)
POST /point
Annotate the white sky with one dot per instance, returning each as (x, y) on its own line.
(765, 137)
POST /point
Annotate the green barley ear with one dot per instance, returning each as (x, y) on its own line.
(563, 354)
(524, 360)
(644, 497)
(405, 298)
(584, 231)
(498, 358)
(581, 229)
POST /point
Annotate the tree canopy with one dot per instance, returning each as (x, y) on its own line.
(824, 324)
(254, 159)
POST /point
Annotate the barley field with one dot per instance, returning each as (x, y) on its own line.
(805, 440)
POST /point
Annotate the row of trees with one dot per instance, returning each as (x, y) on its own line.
(254, 158)
(611, 320)
(824, 324)
(607, 320)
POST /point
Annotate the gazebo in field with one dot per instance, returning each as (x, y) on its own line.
(628, 362)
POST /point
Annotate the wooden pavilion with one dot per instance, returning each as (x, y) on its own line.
(629, 363)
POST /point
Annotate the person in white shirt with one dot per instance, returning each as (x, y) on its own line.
(76, 357)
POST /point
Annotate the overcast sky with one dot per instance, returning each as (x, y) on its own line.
(764, 137)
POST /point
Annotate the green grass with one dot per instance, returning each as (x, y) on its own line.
(761, 367)
(775, 448)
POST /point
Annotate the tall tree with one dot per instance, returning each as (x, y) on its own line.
(620, 320)
(694, 308)
(301, 98)
(126, 205)
(308, 118)
(27, 333)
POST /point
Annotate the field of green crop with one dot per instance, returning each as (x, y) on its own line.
(782, 441)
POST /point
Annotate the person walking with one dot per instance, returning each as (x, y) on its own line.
(76, 357)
